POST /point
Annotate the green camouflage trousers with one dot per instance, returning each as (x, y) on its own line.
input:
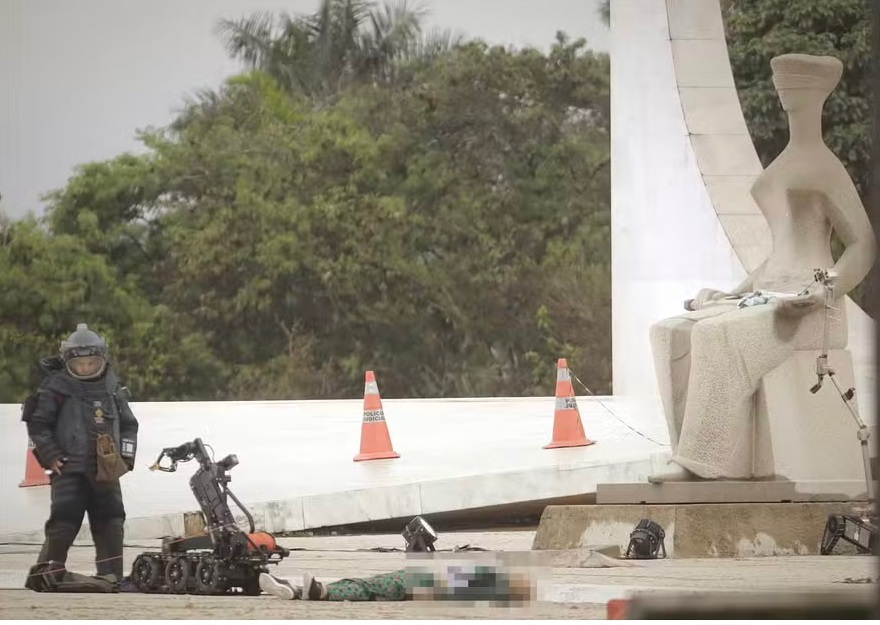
(484, 583)
(384, 587)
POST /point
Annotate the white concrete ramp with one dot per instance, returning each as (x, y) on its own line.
(297, 471)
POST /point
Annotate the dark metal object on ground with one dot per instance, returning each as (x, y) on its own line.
(646, 541)
(220, 561)
(856, 530)
(419, 535)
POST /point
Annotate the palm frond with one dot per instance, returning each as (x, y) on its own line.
(249, 39)
(342, 42)
(435, 42)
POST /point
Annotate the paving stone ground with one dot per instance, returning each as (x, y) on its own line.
(580, 593)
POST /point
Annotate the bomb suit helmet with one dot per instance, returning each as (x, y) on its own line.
(84, 353)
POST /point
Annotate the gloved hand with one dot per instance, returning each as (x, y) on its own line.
(57, 465)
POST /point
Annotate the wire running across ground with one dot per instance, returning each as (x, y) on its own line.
(611, 412)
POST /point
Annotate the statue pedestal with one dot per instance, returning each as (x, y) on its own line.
(800, 436)
(698, 530)
(738, 491)
(807, 461)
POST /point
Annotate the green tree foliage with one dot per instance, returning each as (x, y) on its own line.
(448, 229)
(50, 282)
(367, 197)
(344, 42)
(758, 30)
(108, 207)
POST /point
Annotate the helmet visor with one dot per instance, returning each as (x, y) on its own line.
(86, 367)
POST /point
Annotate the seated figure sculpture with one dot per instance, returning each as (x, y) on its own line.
(710, 362)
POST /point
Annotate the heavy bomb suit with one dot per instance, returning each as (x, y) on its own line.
(75, 419)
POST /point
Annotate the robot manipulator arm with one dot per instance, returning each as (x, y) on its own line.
(208, 484)
(181, 453)
(211, 497)
(185, 453)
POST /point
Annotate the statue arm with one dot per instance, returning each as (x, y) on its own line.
(707, 297)
(849, 219)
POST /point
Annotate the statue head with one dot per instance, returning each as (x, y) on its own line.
(804, 80)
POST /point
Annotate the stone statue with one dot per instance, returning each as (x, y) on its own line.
(710, 362)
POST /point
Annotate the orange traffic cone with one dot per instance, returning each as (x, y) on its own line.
(568, 431)
(617, 609)
(33, 472)
(375, 440)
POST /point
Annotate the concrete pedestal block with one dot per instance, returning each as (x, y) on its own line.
(698, 530)
(731, 491)
(802, 436)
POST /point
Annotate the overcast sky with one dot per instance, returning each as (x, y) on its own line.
(79, 77)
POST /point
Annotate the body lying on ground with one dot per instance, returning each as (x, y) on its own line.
(480, 583)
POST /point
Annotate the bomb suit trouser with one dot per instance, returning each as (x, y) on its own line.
(74, 496)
